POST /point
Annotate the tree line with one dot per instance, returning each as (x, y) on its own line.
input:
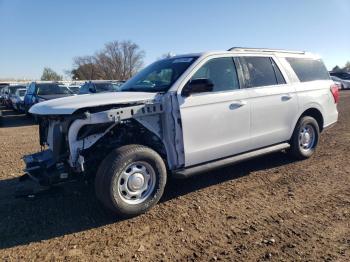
(118, 60)
(346, 68)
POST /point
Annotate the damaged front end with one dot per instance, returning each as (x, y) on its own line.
(67, 138)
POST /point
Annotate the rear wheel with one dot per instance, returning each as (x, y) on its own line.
(305, 138)
(131, 180)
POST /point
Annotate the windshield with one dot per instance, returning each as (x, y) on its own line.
(52, 89)
(21, 92)
(12, 89)
(159, 76)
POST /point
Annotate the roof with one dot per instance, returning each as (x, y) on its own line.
(260, 51)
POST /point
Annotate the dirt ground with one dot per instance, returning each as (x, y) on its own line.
(270, 208)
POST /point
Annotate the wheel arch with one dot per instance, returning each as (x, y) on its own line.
(131, 132)
(316, 114)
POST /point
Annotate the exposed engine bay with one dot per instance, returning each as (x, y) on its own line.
(74, 145)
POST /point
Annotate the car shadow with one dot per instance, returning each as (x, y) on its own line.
(11, 118)
(74, 207)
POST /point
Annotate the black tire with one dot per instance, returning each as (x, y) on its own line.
(296, 148)
(110, 175)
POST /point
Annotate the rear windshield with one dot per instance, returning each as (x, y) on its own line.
(52, 89)
(308, 69)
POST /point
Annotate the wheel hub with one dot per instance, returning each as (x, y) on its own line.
(136, 182)
(307, 137)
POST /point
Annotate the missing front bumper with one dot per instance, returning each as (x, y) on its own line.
(43, 168)
(41, 172)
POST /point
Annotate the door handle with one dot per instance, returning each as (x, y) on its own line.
(237, 104)
(286, 97)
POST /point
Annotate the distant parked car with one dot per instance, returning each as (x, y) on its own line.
(342, 83)
(3, 88)
(10, 92)
(18, 99)
(74, 88)
(100, 86)
(4, 96)
(341, 75)
(42, 91)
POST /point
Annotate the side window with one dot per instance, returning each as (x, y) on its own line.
(221, 71)
(308, 69)
(258, 71)
(279, 77)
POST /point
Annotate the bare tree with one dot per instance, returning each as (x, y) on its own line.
(166, 55)
(85, 68)
(117, 60)
(50, 75)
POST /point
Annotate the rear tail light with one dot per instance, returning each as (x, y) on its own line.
(335, 93)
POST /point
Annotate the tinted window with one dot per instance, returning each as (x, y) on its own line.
(258, 71)
(84, 89)
(21, 92)
(52, 89)
(308, 69)
(221, 71)
(279, 77)
(103, 87)
(12, 89)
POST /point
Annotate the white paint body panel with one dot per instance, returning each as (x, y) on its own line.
(213, 130)
(273, 110)
(68, 105)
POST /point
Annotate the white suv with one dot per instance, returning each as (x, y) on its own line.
(183, 115)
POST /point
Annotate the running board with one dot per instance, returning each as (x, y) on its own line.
(184, 173)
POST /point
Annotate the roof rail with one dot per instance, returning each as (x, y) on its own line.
(264, 50)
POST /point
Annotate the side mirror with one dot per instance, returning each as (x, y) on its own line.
(200, 85)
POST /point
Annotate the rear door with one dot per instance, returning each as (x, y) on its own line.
(215, 124)
(273, 101)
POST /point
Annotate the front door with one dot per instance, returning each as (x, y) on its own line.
(215, 124)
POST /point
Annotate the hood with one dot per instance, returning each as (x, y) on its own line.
(68, 105)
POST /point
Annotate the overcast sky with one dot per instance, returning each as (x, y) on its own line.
(39, 33)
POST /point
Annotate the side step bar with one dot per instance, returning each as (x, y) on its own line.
(184, 173)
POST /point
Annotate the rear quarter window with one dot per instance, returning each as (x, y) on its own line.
(308, 69)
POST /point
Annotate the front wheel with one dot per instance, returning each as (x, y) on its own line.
(305, 138)
(131, 180)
